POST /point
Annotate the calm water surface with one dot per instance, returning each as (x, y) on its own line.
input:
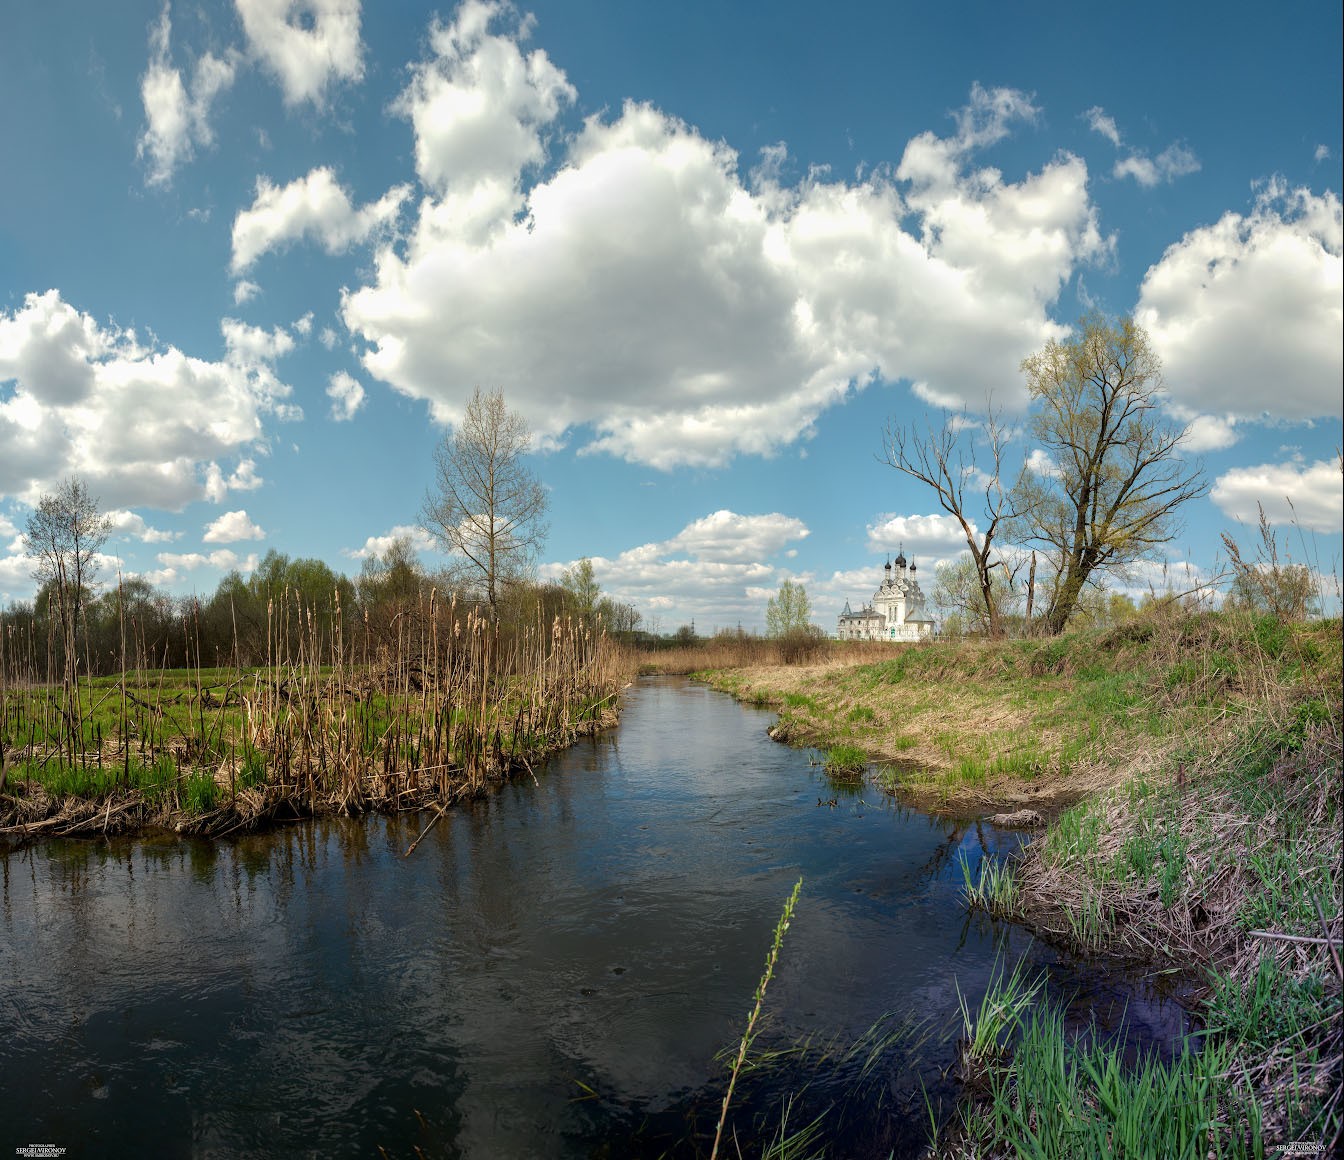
(551, 973)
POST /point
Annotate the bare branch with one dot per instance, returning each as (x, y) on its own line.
(486, 504)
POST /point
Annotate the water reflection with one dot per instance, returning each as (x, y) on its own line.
(551, 973)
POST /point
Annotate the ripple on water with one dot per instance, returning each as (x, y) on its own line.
(552, 971)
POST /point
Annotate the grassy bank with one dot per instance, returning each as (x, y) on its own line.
(453, 705)
(969, 724)
(1191, 766)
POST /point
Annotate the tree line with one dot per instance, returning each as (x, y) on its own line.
(485, 508)
(72, 629)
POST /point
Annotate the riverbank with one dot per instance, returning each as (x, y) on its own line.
(1189, 767)
(213, 752)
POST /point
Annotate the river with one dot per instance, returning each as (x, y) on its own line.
(550, 973)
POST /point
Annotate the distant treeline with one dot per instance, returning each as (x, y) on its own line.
(272, 614)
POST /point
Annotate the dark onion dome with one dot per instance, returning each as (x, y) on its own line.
(900, 560)
(912, 566)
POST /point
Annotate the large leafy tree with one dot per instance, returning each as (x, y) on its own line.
(1116, 477)
(486, 506)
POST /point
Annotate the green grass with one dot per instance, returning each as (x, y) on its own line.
(987, 1034)
(1041, 1092)
(1060, 1098)
(993, 887)
(1271, 1008)
(252, 770)
(61, 779)
(1074, 836)
(200, 793)
(846, 761)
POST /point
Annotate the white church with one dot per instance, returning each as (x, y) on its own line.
(896, 611)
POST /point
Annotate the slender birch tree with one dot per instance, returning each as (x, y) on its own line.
(64, 535)
(486, 506)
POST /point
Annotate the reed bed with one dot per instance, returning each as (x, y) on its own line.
(740, 652)
(339, 719)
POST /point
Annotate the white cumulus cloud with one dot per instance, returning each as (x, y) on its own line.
(421, 541)
(1176, 160)
(346, 395)
(713, 571)
(1248, 313)
(148, 425)
(932, 535)
(232, 527)
(306, 45)
(222, 558)
(1173, 162)
(177, 116)
(128, 523)
(1103, 123)
(313, 207)
(628, 279)
(1308, 495)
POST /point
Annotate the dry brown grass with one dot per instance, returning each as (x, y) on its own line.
(729, 652)
(923, 731)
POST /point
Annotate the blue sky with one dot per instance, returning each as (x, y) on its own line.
(255, 256)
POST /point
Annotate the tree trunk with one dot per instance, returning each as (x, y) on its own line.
(1031, 590)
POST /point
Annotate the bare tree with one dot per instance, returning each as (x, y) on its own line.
(938, 458)
(1117, 477)
(64, 535)
(486, 505)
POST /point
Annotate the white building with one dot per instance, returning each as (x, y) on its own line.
(896, 611)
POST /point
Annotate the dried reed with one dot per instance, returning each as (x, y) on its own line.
(333, 720)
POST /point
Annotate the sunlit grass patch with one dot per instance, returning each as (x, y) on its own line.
(846, 761)
(1061, 1096)
(992, 887)
(200, 793)
(987, 1034)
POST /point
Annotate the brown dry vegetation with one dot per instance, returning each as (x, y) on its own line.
(452, 704)
(746, 652)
